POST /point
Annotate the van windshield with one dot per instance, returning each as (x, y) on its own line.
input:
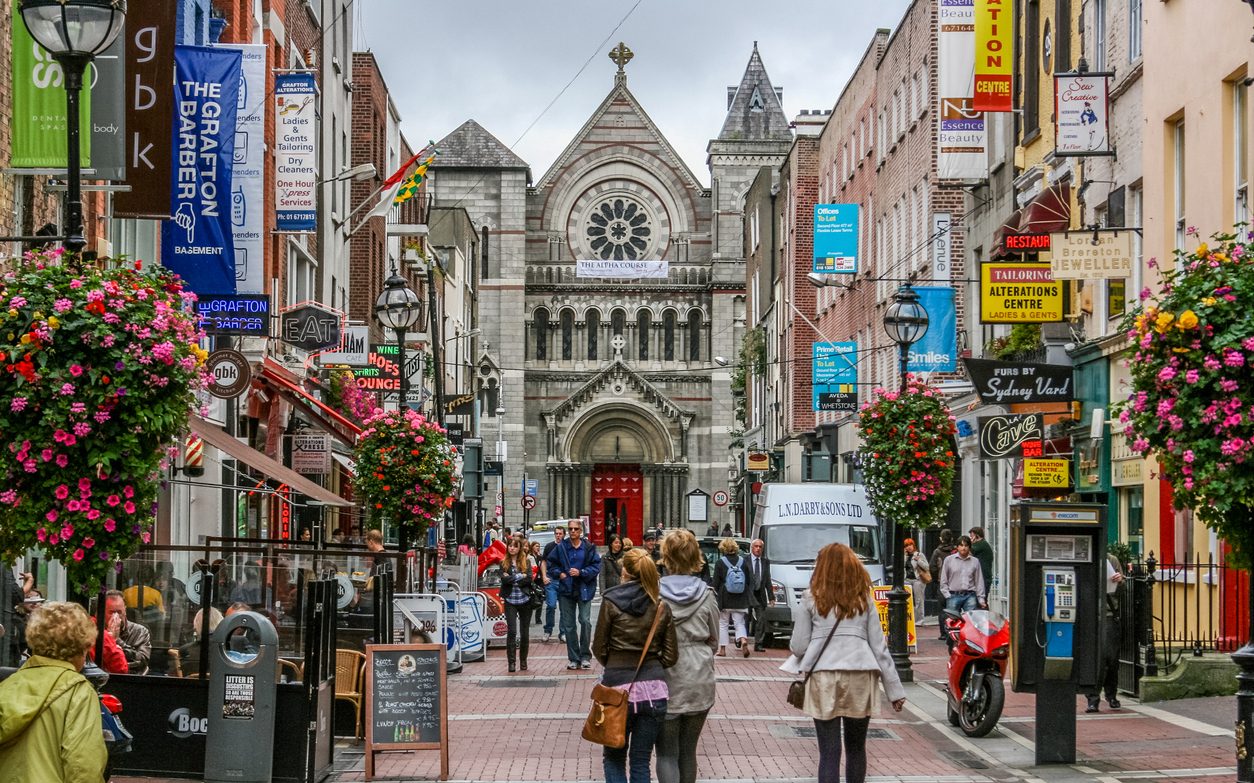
(800, 544)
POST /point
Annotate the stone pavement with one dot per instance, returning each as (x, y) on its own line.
(525, 727)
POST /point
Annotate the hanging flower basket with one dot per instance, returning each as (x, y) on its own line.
(405, 469)
(1192, 395)
(907, 455)
(98, 370)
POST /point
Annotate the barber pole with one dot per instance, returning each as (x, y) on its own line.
(194, 456)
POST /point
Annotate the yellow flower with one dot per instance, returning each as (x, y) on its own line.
(12, 313)
(1209, 301)
(54, 322)
(1223, 257)
(1163, 322)
(1202, 250)
(38, 315)
(25, 339)
(1188, 320)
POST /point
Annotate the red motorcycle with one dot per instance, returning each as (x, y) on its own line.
(979, 645)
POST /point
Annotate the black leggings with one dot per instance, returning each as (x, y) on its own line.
(516, 621)
(829, 749)
(677, 747)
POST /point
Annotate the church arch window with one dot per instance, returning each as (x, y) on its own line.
(668, 335)
(568, 334)
(483, 252)
(592, 321)
(644, 320)
(694, 335)
(619, 228)
(489, 397)
(540, 330)
(618, 322)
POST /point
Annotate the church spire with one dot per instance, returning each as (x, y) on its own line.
(755, 108)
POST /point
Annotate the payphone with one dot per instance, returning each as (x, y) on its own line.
(1058, 578)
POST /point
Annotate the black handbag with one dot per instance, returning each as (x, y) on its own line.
(537, 596)
(797, 688)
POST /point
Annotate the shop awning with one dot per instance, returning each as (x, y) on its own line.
(218, 438)
(1011, 226)
(346, 461)
(1050, 211)
(288, 386)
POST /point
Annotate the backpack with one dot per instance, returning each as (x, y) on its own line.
(735, 583)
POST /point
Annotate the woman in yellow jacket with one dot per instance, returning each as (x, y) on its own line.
(49, 713)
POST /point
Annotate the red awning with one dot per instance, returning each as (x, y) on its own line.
(1011, 226)
(288, 386)
(1050, 211)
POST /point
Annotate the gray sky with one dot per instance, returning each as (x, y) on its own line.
(500, 63)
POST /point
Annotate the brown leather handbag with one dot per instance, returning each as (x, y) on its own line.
(797, 688)
(607, 720)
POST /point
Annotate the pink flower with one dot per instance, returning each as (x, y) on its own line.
(84, 484)
(72, 507)
(76, 370)
(62, 460)
(129, 507)
(51, 516)
(128, 491)
(41, 535)
(67, 531)
(67, 389)
(89, 542)
(113, 500)
(62, 492)
(110, 525)
(17, 404)
(1191, 376)
(93, 514)
(78, 554)
(1166, 374)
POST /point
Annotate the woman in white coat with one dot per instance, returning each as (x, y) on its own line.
(837, 636)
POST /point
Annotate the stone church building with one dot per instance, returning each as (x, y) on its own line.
(615, 391)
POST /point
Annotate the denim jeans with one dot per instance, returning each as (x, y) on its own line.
(961, 603)
(578, 646)
(644, 720)
(550, 605)
(677, 747)
(829, 732)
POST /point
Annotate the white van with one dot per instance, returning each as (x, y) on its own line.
(795, 521)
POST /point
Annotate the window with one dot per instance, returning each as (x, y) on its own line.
(618, 322)
(1178, 183)
(642, 334)
(592, 320)
(694, 336)
(1134, 30)
(1062, 36)
(668, 335)
(483, 252)
(1032, 68)
(1099, 35)
(568, 335)
(1240, 152)
(541, 330)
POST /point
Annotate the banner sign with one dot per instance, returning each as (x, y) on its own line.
(149, 37)
(962, 136)
(296, 160)
(942, 247)
(107, 78)
(1047, 473)
(382, 373)
(243, 314)
(836, 238)
(994, 60)
(353, 351)
(1007, 383)
(38, 121)
(1019, 293)
(248, 173)
(834, 376)
(1082, 115)
(1085, 255)
(631, 270)
(460, 405)
(197, 242)
(1007, 436)
(938, 350)
(311, 454)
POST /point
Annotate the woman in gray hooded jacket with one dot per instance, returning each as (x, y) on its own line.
(694, 612)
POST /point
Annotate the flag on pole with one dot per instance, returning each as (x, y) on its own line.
(392, 185)
(410, 188)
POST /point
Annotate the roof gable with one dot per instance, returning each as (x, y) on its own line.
(470, 145)
(754, 110)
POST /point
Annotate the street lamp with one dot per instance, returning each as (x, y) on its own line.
(398, 308)
(905, 321)
(73, 32)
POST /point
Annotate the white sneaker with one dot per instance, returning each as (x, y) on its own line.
(548, 637)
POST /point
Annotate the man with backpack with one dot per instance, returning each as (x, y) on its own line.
(731, 582)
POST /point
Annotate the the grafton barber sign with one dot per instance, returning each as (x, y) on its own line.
(1003, 383)
(1006, 436)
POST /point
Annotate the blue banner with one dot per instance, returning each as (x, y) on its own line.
(836, 238)
(198, 242)
(834, 376)
(938, 350)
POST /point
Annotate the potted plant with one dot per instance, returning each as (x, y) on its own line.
(405, 469)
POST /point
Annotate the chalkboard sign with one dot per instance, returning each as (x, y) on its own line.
(406, 700)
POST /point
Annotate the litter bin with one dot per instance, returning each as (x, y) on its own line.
(243, 662)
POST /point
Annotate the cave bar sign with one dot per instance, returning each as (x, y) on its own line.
(1015, 292)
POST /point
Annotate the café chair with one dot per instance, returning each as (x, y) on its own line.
(349, 670)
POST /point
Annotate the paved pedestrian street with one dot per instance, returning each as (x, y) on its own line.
(525, 727)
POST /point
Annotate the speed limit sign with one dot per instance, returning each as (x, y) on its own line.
(528, 502)
(720, 498)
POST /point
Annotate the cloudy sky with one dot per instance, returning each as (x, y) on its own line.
(501, 63)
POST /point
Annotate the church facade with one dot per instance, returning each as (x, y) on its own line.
(613, 392)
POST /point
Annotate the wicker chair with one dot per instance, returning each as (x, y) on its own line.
(349, 671)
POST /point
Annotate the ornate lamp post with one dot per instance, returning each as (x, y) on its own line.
(398, 308)
(74, 32)
(906, 322)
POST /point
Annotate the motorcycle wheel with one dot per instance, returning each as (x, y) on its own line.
(978, 718)
(952, 714)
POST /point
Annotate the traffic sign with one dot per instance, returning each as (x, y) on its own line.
(531, 487)
(528, 502)
(720, 498)
(493, 467)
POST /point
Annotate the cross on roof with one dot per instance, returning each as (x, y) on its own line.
(621, 55)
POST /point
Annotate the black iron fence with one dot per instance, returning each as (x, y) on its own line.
(1170, 611)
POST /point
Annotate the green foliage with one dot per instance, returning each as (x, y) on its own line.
(752, 360)
(1023, 338)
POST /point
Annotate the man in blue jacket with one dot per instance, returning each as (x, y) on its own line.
(576, 565)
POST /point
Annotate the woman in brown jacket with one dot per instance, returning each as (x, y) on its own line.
(628, 611)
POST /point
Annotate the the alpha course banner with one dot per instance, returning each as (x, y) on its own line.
(197, 242)
(962, 136)
(630, 270)
(994, 45)
(248, 174)
(39, 105)
(296, 151)
(938, 350)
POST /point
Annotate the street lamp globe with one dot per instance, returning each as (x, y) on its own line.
(398, 307)
(74, 28)
(906, 320)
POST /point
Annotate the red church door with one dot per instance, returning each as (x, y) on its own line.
(617, 495)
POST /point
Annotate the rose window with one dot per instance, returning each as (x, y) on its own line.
(618, 229)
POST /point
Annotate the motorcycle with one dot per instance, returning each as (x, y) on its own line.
(979, 646)
(116, 738)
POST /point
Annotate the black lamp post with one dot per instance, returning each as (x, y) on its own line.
(74, 32)
(905, 321)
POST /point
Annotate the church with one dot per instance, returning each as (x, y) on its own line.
(612, 306)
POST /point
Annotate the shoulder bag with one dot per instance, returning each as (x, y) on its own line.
(607, 720)
(924, 572)
(797, 688)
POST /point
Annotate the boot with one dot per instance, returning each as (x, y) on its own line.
(510, 655)
(1094, 704)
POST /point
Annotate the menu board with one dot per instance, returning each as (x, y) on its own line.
(406, 700)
